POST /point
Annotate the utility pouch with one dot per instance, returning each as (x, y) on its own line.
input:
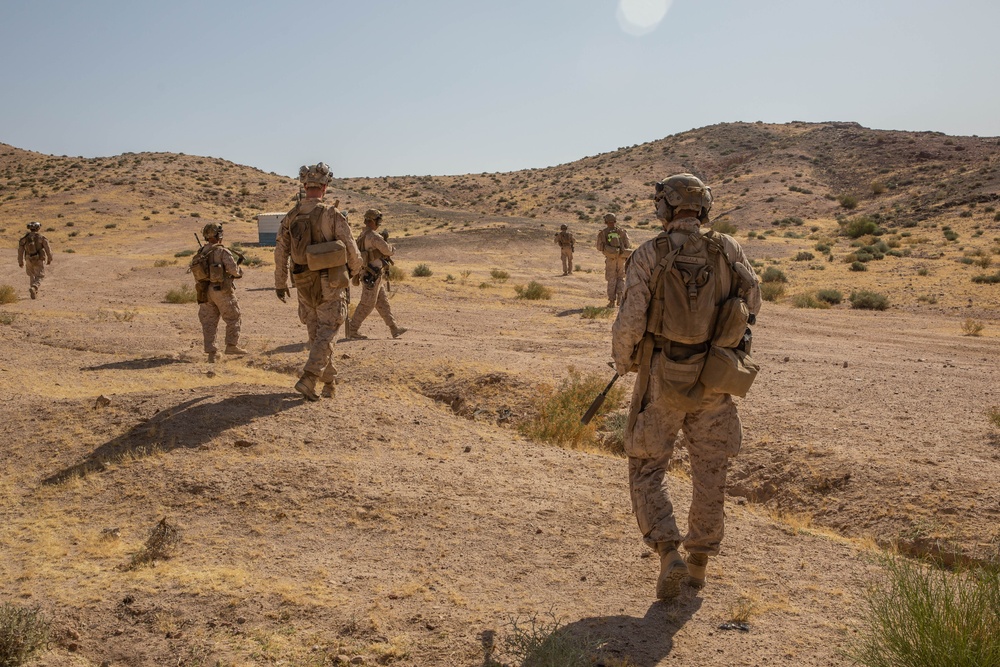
(681, 376)
(327, 255)
(201, 291)
(216, 272)
(732, 323)
(337, 276)
(728, 371)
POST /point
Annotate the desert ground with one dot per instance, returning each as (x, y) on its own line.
(410, 520)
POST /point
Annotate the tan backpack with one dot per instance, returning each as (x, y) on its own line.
(304, 230)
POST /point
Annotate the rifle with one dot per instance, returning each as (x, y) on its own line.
(598, 402)
(197, 239)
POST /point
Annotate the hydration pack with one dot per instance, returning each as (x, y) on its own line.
(304, 230)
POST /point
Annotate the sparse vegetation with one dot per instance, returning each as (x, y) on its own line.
(160, 263)
(987, 279)
(773, 274)
(542, 642)
(919, 616)
(499, 276)
(858, 265)
(422, 271)
(396, 274)
(861, 226)
(184, 294)
(534, 291)
(184, 253)
(7, 318)
(808, 301)
(831, 296)
(804, 256)
(160, 545)
(596, 312)
(558, 417)
(771, 291)
(8, 294)
(993, 415)
(23, 632)
(850, 202)
(971, 327)
(723, 226)
(868, 300)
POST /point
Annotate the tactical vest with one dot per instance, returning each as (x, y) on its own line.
(564, 239)
(369, 255)
(304, 230)
(207, 264)
(34, 245)
(613, 240)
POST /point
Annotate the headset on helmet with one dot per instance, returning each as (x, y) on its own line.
(316, 175)
(610, 217)
(212, 230)
(682, 191)
(373, 215)
(34, 226)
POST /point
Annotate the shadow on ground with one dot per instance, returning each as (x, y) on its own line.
(190, 424)
(136, 364)
(291, 347)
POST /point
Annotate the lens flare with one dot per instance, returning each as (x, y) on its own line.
(639, 17)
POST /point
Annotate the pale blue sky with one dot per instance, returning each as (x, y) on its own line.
(386, 87)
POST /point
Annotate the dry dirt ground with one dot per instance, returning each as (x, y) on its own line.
(407, 521)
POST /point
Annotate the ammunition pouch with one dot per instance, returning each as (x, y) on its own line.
(328, 255)
(201, 291)
(732, 323)
(728, 371)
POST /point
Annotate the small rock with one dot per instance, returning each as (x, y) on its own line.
(345, 356)
(73, 634)
(102, 401)
(241, 619)
(358, 660)
(786, 359)
(538, 531)
(72, 647)
(106, 663)
(342, 660)
(210, 374)
(583, 578)
(845, 364)
(468, 448)
(118, 632)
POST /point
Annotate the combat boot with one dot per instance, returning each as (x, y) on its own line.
(307, 386)
(673, 571)
(611, 304)
(33, 291)
(212, 356)
(235, 349)
(399, 331)
(329, 390)
(697, 565)
(354, 334)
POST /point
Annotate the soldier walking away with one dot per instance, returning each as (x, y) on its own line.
(314, 243)
(682, 327)
(32, 255)
(216, 268)
(566, 243)
(375, 253)
(613, 242)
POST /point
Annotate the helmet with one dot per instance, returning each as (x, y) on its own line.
(682, 191)
(564, 227)
(316, 175)
(373, 215)
(34, 226)
(610, 217)
(212, 230)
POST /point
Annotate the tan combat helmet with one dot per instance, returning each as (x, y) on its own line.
(212, 230)
(34, 226)
(564, 227)
(315, 176)
(373, 215)
(682, 191)
(610, 218)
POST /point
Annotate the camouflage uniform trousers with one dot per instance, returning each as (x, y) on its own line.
(219, 303)
(714, 435)
(36, 271)
(322, 308)
(614, 273)
(374, 298)
(567, 259)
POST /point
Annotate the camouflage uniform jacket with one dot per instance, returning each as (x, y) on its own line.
(630, 325)
(220, 254)
(334, 226)
(373, 247)
(606, 245)
(28, 246)
(564, 239)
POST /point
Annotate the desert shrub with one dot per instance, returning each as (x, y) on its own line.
(808, 301)
(860, 226)
(868, 300)
(951, 234)
(184, 253)
(985, 279)
(804, 256)
(422, 271)
(923, 272)
(983, 262)
(23, 632)
(182, 295)
(859, 266)
(396, 274)
(8, 294)
(558, 417)
(877, 187)
(849, 202)
(537, 642)
(160, 263)
(533, 292)
(822, 247)
(724, 227)
(773, 274)
(7, 318)
(790, 221)
(971, 327)
(596, 312)
(160, 545)
(499, 276)
(111, 225)
(771, 291)
(993, 415)
(831, 296)
(919, 616)
(862, 256)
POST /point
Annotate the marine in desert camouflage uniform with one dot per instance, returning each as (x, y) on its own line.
(566, 243)
(217, 292)
(322, 300)
(709, 420)
(32, 255)
(614, 244)
(375, 251)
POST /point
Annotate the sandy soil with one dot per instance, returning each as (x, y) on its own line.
(407, 521)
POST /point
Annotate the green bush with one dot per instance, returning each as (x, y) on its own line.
(23, 632)
(860, 226)
(919, 616)
(985, 279)
(771, 291)
(536, 642)
(859, 266)
(724, 227)
(790, 221)
(773, 274)
(499, 276)
(950, 234)
(993, 414)
(804, 256)
(7, 318)
(560, 411)
(184, 253)
(422, 271)
(808, 301)
(849, 202)
(183, 295)
(868, 300)
(831, 296)
(396, 274)
(595, 312)
(8, 294)
(533, 292)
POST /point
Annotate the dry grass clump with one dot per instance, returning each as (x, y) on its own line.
(8, 294)
(597, 312)
(971, 327)
(499, 275)
(396, 274)
(868, 300)
(23, 631)
(533, 292)
(558, 418)
(160, 546)
(993, 414)
(422, 271)
(537, 641)
(183, 295)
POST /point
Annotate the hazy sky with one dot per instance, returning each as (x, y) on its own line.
(376, 87)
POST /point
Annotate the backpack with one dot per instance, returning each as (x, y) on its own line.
(201, 264)
(304, 230)
(33, 245)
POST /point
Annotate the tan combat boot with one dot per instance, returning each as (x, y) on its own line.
(212, 356)
(673, 571)
(33, 292)
(354, 334)
(697, 564)
(307, 386)
(611, 304)
(399, 331)
(329, 390)
(235, 349)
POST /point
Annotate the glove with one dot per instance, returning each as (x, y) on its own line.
(281, 293)
(356, 279)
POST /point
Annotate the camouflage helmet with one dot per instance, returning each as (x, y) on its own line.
(212, 230)
(34, 226)
(316, 175)
(373, 215)
(610, 217)
(682, 192)
(564, 227)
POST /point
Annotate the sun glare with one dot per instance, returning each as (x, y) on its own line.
(638, 17)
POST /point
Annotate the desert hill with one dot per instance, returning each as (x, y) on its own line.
(408, 520)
